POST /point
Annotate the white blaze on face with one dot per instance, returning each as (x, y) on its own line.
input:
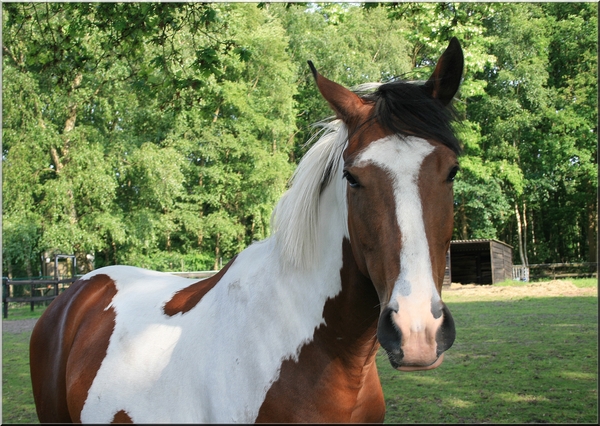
(415, 289)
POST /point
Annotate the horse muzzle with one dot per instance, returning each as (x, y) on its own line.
(414, 344)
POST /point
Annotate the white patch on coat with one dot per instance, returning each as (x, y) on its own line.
(216, 362)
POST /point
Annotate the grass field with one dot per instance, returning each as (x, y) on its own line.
(17, 400)
(532, 360)
(518, 360)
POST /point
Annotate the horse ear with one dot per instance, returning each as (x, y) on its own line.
(445, 80)
(344, 102)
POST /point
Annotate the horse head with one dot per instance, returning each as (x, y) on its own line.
(399, 163)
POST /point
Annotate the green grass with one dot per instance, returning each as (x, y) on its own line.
(513, 361)
(17, 399)
(532, 360)
(585, 282)
(23, 311)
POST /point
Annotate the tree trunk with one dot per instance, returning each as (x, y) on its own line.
(464, 231)
(534, 243)
(28, 268)
(114, 247)
(217, 253)
(56, 158)
(525, 234)
(592, 232)
(520, 236)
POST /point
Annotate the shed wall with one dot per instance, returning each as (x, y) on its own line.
(447, 271)
(501, 257)
(480, 261)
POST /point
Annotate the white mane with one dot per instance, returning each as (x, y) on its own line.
(295, 219)
(366, 87)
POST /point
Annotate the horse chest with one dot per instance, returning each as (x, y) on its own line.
(319, 389)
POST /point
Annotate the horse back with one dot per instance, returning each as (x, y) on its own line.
(67, 347)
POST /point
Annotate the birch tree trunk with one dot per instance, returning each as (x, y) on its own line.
(520, 236)
(525, 234)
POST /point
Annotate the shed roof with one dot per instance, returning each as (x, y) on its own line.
(476, 241)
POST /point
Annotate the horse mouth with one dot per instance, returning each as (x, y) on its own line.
(408, 367)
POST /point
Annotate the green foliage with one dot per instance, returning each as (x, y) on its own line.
(529, 109)
(349, 45)
(147, 132)
(145, 124)
(21, 236)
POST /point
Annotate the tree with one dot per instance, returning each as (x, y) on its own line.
(528, 106)
(97, 150)
(162, 134)
(348, 44)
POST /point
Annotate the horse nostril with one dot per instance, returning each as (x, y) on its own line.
(388, 334)
(446, 333)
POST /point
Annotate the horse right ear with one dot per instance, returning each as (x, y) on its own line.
(344, 102)
(445, 80)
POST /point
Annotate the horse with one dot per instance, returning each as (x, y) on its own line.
(289, 329)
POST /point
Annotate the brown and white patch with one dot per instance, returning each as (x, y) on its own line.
(187, 298)
(63, 362)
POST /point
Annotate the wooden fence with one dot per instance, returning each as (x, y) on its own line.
(197, 274)
(48, 290)
(555, 270)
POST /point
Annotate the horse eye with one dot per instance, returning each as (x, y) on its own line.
(453, 173)
(351, 181)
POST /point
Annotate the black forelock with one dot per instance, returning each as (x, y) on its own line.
(406, 108)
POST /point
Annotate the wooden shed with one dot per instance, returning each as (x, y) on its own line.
(480, 261)
(447, 276)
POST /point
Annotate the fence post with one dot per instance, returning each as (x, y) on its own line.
(5, 296)
(32, 303)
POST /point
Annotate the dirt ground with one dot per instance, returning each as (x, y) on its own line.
(458, 292)
(18, 326)
(542, 289)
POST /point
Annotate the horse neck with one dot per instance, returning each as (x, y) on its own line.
(351, 312)
(334, 372)
(324, 264)
(351, 317)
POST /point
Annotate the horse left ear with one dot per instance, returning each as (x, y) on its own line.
(344, 102)
(445, 80)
